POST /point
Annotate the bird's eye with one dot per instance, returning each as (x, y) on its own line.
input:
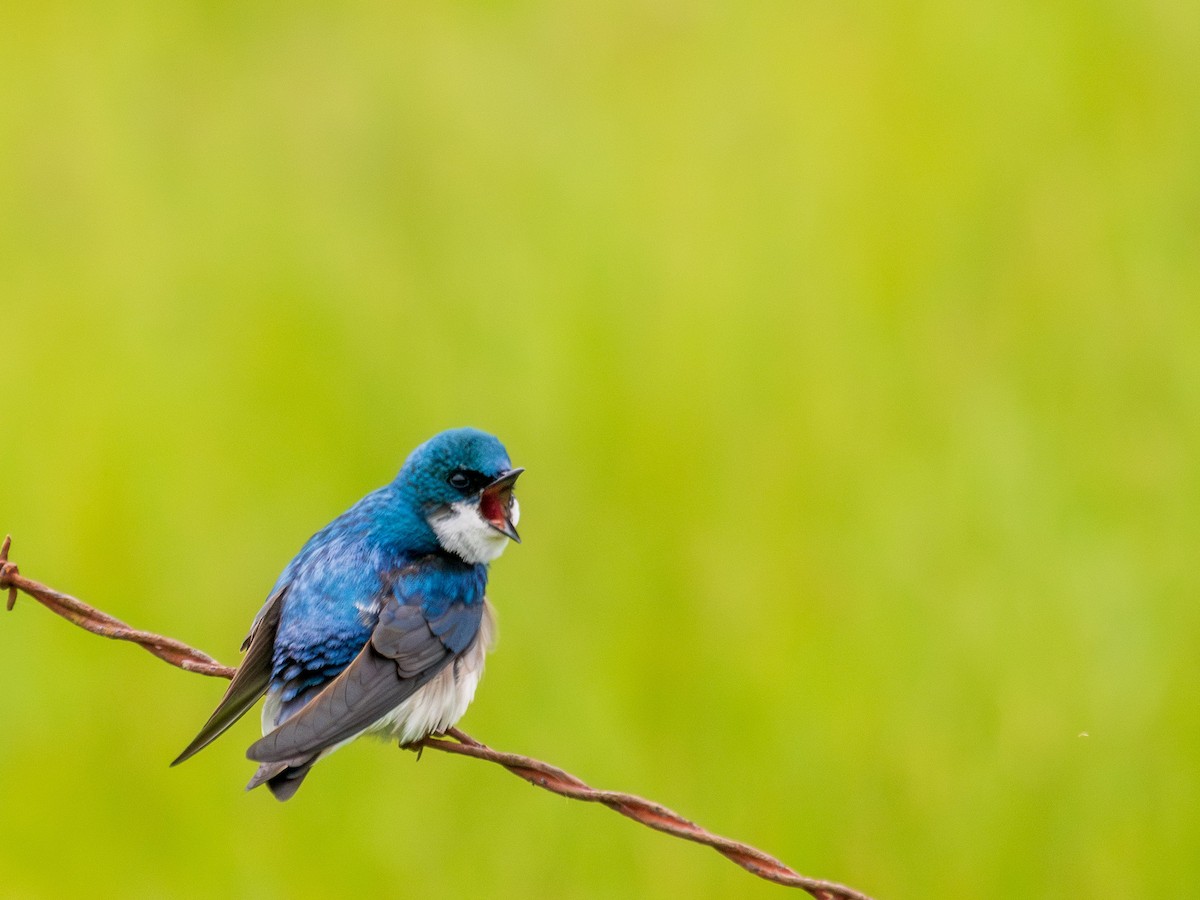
(459, 480)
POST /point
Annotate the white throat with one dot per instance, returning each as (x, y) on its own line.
(463, 531)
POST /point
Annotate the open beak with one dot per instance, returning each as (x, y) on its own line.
(496, 504)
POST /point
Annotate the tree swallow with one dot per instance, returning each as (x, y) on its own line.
(380, 624)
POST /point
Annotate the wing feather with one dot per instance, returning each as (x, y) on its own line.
(403, 654)
(249, 682)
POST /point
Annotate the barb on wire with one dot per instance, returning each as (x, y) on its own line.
(536, 772)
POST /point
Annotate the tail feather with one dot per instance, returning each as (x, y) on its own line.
(282, 779)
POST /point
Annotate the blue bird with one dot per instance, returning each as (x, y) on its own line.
(380, 624)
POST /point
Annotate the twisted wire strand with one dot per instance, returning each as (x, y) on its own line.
(538, 773)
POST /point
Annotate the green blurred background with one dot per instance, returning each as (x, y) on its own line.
(853, 353)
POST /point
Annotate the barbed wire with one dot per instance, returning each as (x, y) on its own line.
(538, 773)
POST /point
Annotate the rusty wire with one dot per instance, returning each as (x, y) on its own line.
(536, 772)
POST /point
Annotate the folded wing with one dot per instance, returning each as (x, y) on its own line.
(407, 648)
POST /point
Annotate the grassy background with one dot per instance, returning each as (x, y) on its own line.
(853, 352)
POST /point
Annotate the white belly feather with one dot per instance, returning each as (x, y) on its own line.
(443, 700)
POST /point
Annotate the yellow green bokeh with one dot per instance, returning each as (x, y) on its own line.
(853, 353)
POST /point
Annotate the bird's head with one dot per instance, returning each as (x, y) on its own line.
(461, 481)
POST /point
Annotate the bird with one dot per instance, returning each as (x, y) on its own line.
(380, 624)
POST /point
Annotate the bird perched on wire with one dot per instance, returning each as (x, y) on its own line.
(380, 624)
